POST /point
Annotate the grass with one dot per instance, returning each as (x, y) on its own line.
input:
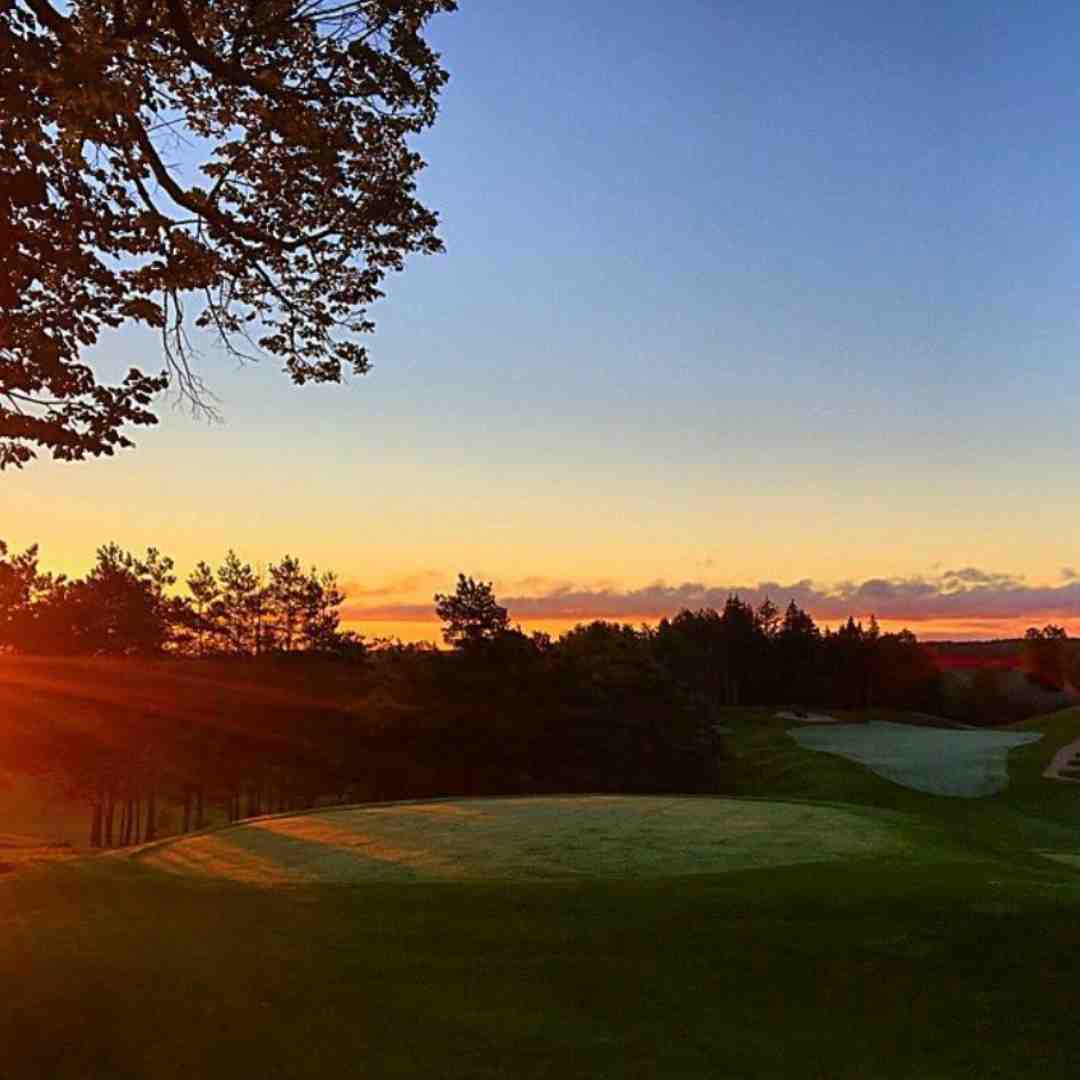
(530, 839)
(956, 954)
(843, 971)
(38, 807)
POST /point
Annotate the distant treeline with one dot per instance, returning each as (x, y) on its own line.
(605, 707)
(125, 606)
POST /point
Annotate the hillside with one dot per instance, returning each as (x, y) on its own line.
(828, 922)
(58, 715)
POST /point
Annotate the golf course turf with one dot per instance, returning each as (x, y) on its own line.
(948, 948)
(528, 839)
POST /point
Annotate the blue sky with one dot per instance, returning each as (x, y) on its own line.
(733, 293)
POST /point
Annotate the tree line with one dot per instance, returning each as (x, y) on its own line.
(498, 711)
(125, 606)
(741, 655)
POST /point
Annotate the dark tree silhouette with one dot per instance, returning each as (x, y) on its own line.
(797, 655)
(471, 614)
(120, 608)
(277, 242)
(22, 589)
(1045, 655)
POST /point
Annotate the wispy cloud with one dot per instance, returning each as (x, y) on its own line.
(402, 586)
(964, 595)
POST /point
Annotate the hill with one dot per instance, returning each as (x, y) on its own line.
(947, 945)
(65, 724)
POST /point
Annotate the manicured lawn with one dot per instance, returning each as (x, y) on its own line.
(955, 955)
(530, 839)
(863, 970)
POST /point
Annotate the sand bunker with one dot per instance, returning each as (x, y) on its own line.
(968, 764)
(526, 839)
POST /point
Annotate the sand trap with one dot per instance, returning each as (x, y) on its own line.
(1062, 760)
(807, 717)
(549, 838)
(967, 764)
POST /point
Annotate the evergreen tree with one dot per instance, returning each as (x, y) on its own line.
(471, 614)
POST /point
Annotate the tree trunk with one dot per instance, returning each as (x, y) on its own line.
(150, 832)
(200, 814)
(95, 822)
(110, 809)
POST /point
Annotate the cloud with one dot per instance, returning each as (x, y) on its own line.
(971, 575)
(1068, 573)
(358, 613)
(403, 586)
(966, 595)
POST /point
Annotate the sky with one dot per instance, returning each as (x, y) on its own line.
(773, 298)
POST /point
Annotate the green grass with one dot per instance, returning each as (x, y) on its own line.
(531, 839)
(956, 957)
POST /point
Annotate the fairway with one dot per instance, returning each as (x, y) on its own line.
(528, 839)
(938, 761)
(828, 924)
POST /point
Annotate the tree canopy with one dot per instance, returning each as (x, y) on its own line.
(276, 241)
(471, 615)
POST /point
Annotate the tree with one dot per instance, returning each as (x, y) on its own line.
(320, 629)
(121, 607)
(768, 618)
(281, 236)
(287, 595)
(22, 587)
(206, 594)
(239, 605)
(798, 656)
(471, 615)
(1045, 651)
(741, 640)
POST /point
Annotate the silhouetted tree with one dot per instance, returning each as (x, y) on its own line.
(768, 619)
(471, 615)
(238, 608)
(847, 662)
(287, 595)
(798, 657)
(120, 608)
(1045, 655)
(321, 620)
(205, 596)
(306, 201)
(22, 589)
(741, 651)
(691, 647)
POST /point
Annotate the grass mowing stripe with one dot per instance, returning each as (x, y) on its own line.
(531, 838)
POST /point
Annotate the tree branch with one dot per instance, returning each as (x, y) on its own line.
(203, 208)
(48, 16)
(232, 73)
